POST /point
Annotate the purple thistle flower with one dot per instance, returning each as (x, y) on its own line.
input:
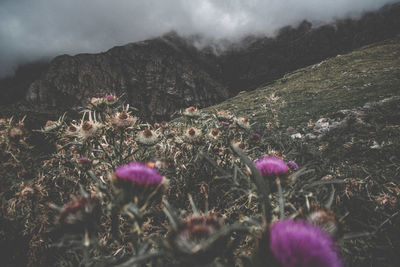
(110, 98)
(271, 166)
(293, 165)
(225, 123)
(138, 173)
(297, 243)
(83, 160)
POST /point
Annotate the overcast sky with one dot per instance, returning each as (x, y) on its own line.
(34, 29)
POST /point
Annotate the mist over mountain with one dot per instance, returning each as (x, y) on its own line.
(161, 75)
(31, 30)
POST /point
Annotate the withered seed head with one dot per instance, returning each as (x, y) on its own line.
(214, 132)
(192, 132)
(147, 133)
(324, 218)
(123, 115)
(72, 128)
(87, 126)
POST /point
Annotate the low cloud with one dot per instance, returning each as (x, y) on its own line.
(31, 30)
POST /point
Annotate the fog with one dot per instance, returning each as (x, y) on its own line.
(40, 29)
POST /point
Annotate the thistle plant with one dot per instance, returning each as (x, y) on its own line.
(122, 163)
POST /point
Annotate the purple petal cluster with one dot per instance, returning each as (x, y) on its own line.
(225, 123)
(297, 243)
(138, 173)
(293, 165)
(271, 166)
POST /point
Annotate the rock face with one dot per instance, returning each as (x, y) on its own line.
(157, 76)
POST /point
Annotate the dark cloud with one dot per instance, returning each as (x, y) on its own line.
(36, 29)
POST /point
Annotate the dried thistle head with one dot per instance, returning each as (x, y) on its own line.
(214, 133)
(96, 100)
(80, 213)
(123, 119)
(147, 137)
(193, 135)
(224, 115)
(72, 130)
(88, 128)
(16, 133)
(189, 239)
(239, 144)
(325, 219)
(164, 124)
(243, 122)
(191, 112)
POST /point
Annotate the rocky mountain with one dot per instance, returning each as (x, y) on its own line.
(156, 76)
(162, 75)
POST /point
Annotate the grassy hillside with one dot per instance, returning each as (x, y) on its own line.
(346, 81)
(357, 140)
(339, 120)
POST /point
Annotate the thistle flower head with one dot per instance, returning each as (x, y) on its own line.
(110, 98)
(96, 100)
(297, 243)
(138, 174)
(88, 128)
(223, 114)
(189, 239)
(243, 122)
(191, 112)
(214, 133)
(50, 125)
(147, 137)
(164, 124)
(72, 130)
(292, 165)
(323, 218)
(80, 212)
(123, 119)
(239, 144)
(198, 228)
(226, 123)
(271, 166)
(16, 133)
(192, 135)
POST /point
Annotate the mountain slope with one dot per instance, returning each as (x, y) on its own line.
(341, 119)
(343, 82)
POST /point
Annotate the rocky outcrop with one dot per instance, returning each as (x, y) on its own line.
(156, 76)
